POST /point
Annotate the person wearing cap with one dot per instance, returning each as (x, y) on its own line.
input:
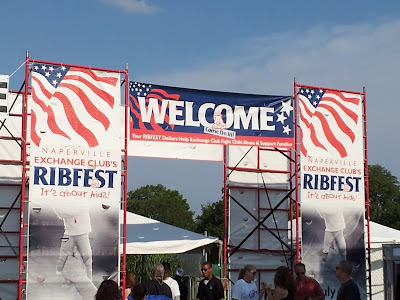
(348, 289)
(210, 288)
(182, 286)
(172, 283)
(307, 288)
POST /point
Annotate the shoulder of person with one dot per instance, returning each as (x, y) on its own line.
(218, 281)
(310, 279)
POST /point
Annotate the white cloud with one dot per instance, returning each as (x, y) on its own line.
(341, 57)
(134, 6)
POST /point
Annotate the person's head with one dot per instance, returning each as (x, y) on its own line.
(158, 271)
(108, 290)
(206, 269)
(139, 292)
(284, 279)
(179, 273)
(167, 269)
(300, 270)
(343, 270)
(247, 273)
(129, 282)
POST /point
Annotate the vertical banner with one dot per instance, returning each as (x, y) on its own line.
(332, 185)
(75, 181)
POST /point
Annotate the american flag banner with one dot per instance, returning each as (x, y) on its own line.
(148, 91)
(332, 183)
(72, 103)
(75, 180)
(329, 121)
(4, 80)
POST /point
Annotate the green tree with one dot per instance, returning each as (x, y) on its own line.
(384, 196)
(211, 219)
(162, 204)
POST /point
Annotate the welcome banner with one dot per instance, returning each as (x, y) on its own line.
(332, 184)
(75, 181)
(179, 115)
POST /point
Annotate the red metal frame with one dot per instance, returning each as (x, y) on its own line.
(260, 228)
(24, 179)
(125, 179)
(225, 241)
(366, 183)
(25, 167)
(296, 163)
(12, 206)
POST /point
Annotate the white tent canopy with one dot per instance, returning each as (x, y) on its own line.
(148, 236)
(378, 233)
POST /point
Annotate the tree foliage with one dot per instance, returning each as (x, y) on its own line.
(162, 204)
(211, 219)
(384, 197)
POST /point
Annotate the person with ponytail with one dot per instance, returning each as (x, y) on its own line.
(285, 285)
(245, 288)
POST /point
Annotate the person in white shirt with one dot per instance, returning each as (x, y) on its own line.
(245, 288)
(172, 283)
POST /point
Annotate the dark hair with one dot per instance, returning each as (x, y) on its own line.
(167, 268)
(130, 280)
(300, 264)
(138, 291)
(243, 271)
(284, 279)
(207, 263)
(108, 290)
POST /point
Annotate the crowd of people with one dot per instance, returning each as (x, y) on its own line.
(286, 287)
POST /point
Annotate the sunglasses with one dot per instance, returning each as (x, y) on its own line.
(203, 270)
(254, 272)
(300, 273)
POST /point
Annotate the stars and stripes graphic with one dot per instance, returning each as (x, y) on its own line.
(71, 102)
(147, 91)
(4, 80)
(152, 107)
(329, 120)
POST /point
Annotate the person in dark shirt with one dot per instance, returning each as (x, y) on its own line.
(210, 288)
(139, 292)
(348, 289)
(157, 286)
(182, 285)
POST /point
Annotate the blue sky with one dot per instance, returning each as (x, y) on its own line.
(250, 47)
